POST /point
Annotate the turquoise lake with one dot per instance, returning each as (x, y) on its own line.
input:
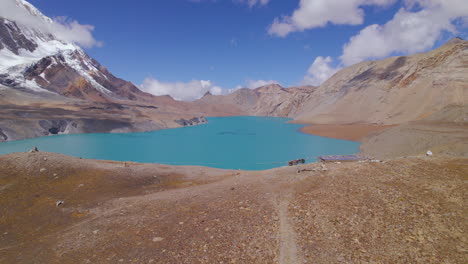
(247, 143)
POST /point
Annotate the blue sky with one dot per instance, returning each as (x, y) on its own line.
(233, 43)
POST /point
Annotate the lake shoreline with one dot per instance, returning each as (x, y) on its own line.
(254, 143)
(352, 132)
(51, 199)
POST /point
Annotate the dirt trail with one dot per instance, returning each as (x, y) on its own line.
(408, 210)
(289, 249)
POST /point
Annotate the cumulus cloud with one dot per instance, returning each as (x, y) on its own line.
(62, 28)
(318, 13)
(408, 32)
(414, 28)
(182, 91)
(319, 71)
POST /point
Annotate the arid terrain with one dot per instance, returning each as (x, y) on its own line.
(444, 133)
(59, 209)
(400, 206)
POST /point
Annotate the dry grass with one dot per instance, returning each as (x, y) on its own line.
(401, 211)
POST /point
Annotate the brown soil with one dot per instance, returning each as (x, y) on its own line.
(409, 210)
(416, 138)
(353, 132)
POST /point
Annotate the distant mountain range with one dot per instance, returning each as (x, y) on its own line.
(390, 91)
(52, 86)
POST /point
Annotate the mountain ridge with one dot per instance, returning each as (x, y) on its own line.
(52, 86)
(387, 92)
(37, 68)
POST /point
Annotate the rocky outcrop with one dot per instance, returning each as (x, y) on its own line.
(3, 136)
(192, 122)
(13, 39)
(54, 126)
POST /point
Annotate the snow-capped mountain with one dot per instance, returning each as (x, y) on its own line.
(32, 59)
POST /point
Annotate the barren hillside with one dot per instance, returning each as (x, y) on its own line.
(59, 209)
(394, 90)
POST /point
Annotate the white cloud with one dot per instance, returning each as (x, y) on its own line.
(252, 3)
(319, 71)
(408, 32)
(182, 91)
(195, 89)
(62, 28)
(414, 28)
(252, 84)
(318, 13)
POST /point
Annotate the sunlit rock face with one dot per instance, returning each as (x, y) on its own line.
(51, 86)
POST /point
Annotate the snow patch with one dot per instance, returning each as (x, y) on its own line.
(14, 66)
(33, 10)
(77, 66)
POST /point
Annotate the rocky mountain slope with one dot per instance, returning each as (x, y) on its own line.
(394, 90)
(390, 91)
(35, 60)
(269, 100)
(51, 86)
(419, 101)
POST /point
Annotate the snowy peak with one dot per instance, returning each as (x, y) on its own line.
(32, 59)
(23, 45)
(26, 29)
(33, 10)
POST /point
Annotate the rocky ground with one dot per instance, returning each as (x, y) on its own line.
(25, 115)
(418, 137)
(60, 209)
(353, 132)
(443, 133)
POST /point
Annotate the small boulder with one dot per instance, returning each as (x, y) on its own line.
(58, 203)
(33, 150)
(158, 239)
(429, 153)
(42, 169)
